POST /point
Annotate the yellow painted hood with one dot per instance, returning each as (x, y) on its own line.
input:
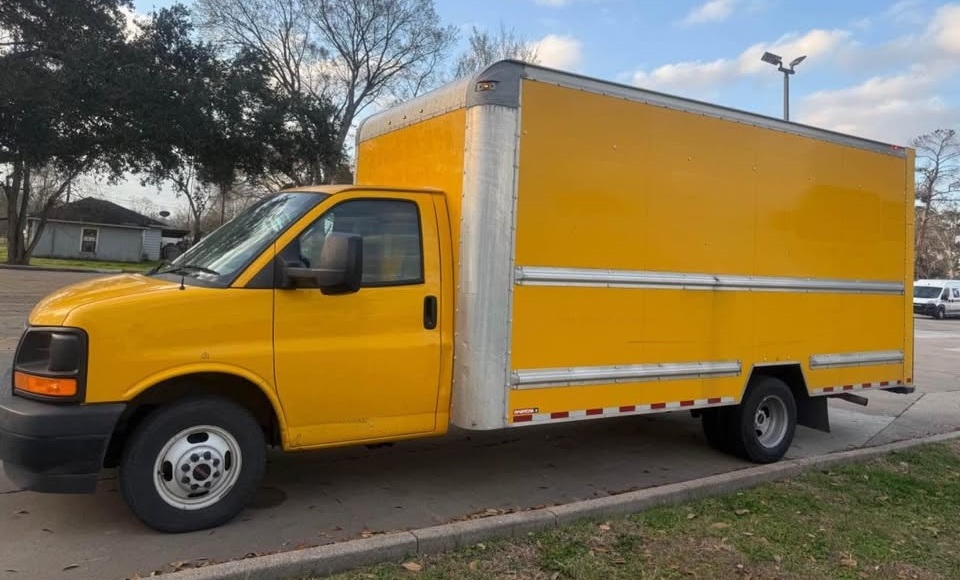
(54, 308)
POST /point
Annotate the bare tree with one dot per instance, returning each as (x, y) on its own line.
(143, 205)
(486, 49)
(42, 188)
(279, 31)
(185, 183)
(381, 49)
(938, 185)
(353, 52)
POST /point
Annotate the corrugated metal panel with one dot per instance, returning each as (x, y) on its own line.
(151, 243)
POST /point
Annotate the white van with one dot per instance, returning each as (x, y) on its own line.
(937, 298)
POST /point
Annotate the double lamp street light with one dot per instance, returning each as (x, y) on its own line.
(777, 61)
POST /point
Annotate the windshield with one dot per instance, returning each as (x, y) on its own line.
(219, 257)
(926, 291)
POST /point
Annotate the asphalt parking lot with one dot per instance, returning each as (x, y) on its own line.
(320, 497)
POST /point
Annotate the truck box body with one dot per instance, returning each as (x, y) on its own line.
(623, 251)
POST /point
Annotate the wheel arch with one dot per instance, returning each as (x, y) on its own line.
(256, 398)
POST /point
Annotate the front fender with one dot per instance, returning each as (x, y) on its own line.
(262, 384)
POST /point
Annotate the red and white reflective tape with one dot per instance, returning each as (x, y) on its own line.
(522, 416)
(859, 387)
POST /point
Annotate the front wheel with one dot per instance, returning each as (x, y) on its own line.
(765, 421)
(941, 313)
(193, 465)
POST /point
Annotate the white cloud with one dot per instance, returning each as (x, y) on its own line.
(812, 44)
(893, 108)
(710, 11)
(896, 107)
(905, 12)
(698, 75)
(945, 29)
(561, 52)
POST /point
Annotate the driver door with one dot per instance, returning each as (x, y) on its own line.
(366, 365)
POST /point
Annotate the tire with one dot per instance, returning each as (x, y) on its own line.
(941, 313)
(192, 465)
(765, 422)
(717, 429)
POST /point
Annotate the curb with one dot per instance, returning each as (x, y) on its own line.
(348, 555)
(60, 269)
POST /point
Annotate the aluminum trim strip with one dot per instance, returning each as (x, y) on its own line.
(509, 73)
(879, 357)
(875, 386)
(636, 94)
(482, 339)
(605, 375)
(426, 106)
(606, 412)
(547, 276)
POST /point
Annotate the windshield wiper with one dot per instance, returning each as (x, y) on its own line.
(191, 268)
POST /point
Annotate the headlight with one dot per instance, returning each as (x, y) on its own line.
(50, 364)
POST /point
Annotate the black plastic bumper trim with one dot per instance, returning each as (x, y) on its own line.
(53, 448)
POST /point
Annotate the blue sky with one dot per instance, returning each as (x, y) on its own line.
(882, 69)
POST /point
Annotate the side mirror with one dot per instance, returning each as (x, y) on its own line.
(340, 267)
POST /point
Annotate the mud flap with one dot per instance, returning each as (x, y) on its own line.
(812, 412)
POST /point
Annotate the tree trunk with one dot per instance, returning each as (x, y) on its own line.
(346, 120)
(45, 211)
(223, 202)
(15, 218)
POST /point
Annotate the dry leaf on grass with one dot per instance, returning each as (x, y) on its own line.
(720, 526)
(413, 566)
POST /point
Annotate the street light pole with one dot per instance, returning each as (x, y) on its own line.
(777, 61)
(786, 93)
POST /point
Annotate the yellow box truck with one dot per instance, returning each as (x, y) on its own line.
(521, 247)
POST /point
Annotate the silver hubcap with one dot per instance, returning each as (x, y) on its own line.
(197, 467)
(770, 422)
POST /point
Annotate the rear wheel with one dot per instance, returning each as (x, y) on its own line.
(193, 465)
(765, 421)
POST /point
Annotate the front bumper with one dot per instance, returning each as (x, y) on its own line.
(53, 448)
(928, 309)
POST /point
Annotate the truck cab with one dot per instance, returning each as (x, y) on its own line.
(318, 317)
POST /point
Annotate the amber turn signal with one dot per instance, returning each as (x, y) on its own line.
(47, 386)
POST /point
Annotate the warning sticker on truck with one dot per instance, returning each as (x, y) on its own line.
(528, 411)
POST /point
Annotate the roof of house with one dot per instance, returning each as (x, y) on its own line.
(101, 211)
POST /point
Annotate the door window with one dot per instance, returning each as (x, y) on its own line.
(392, 244)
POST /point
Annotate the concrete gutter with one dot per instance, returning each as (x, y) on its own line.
(343, 556)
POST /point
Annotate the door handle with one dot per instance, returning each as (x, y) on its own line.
(430, 312)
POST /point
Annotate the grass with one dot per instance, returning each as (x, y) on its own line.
(889, 519)
(84, 264)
